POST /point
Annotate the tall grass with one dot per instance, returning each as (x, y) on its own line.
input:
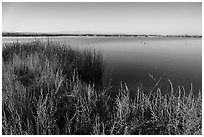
(49, 88)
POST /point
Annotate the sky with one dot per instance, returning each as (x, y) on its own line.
(130, 18)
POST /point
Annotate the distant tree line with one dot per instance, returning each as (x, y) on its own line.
(17, 34)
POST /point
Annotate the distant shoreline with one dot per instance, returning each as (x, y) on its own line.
(14, 34)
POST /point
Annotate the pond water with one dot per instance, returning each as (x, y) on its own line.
(135, 60)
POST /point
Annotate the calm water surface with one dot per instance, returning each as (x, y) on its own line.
(135, 59)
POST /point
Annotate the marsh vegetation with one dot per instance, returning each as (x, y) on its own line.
(49, 88)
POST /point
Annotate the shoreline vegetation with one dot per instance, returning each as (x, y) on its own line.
(50, 89)
(21, 34)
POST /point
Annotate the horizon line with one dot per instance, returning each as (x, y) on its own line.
(90, 32)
